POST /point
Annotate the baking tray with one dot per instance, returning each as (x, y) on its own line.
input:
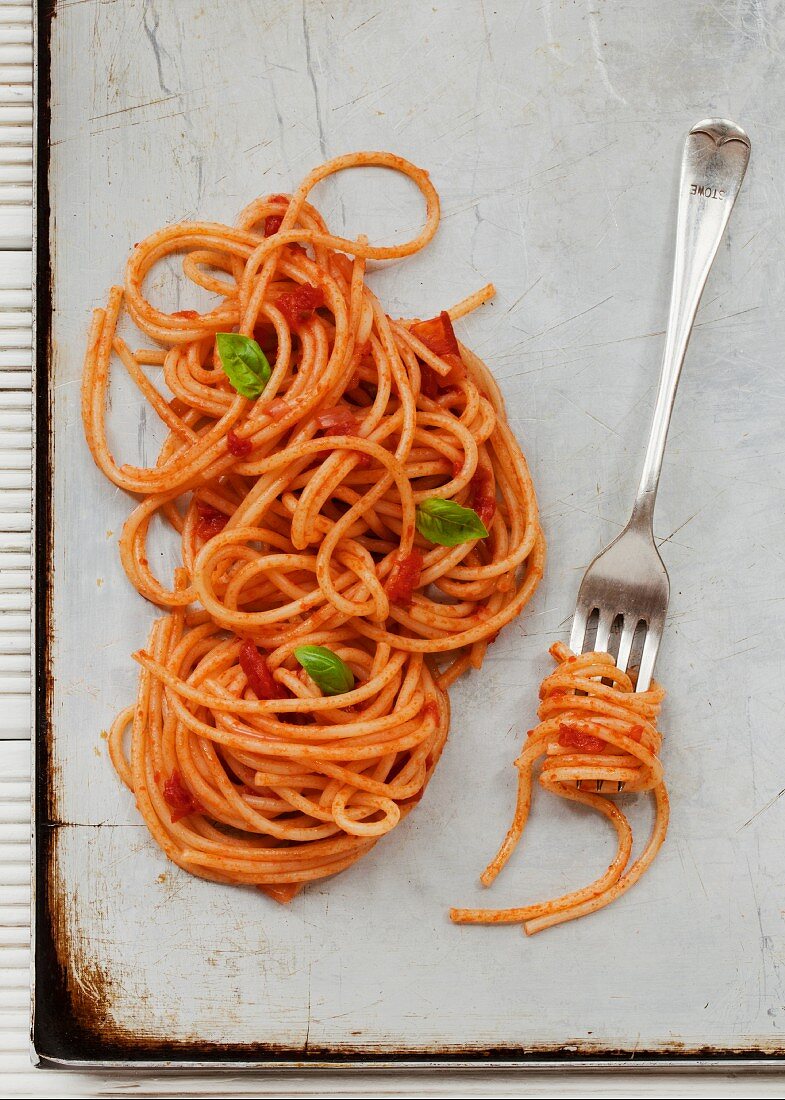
(556, 150)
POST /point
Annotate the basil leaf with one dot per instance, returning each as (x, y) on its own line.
(448, 523)
(244, 363)
(325, 668)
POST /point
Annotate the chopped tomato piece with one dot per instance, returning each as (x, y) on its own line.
(282, 892)
(339, 420)
(298, 249)
(404, 578)
(298, 305)
(256, 669)
(431, 709)
(483, 489)
(267, 338)
(179, 799)
(238, 446)
(570, 737)
(272, 223)
(189, 314)
(211, 520)
(342, 264)
(365, 357)
(278, 408)
(430, 382)
(438, 336)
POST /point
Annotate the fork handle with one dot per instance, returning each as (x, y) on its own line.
(715, 159)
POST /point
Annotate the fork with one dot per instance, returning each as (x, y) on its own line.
(627, 585)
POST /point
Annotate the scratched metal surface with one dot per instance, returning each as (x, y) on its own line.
(553, 132)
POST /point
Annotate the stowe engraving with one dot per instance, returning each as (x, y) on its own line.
(708, 192)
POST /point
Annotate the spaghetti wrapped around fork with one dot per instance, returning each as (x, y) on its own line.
(595, 732)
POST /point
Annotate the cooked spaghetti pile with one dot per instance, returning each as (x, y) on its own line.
(357, 524)
(596, 733)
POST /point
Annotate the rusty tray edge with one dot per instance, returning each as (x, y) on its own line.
(57, 1039)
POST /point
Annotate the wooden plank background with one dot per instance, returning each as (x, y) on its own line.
(16, 120)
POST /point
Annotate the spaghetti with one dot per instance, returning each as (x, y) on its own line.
(595, 731)
(300, 488)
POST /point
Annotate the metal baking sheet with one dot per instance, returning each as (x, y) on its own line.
(553, 133)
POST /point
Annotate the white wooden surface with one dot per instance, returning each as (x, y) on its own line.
(15, 363)
(589, 76)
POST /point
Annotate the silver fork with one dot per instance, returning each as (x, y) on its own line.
(627, 584)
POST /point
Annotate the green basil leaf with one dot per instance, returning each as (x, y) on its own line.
(244, 363)
(325, 668)
(448, 523)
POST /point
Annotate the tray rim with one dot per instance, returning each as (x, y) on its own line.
(54, 1046)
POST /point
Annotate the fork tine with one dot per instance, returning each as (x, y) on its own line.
(604, 630)
(579, 623)
(601, 645)
(650, 647)
(625, 644)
